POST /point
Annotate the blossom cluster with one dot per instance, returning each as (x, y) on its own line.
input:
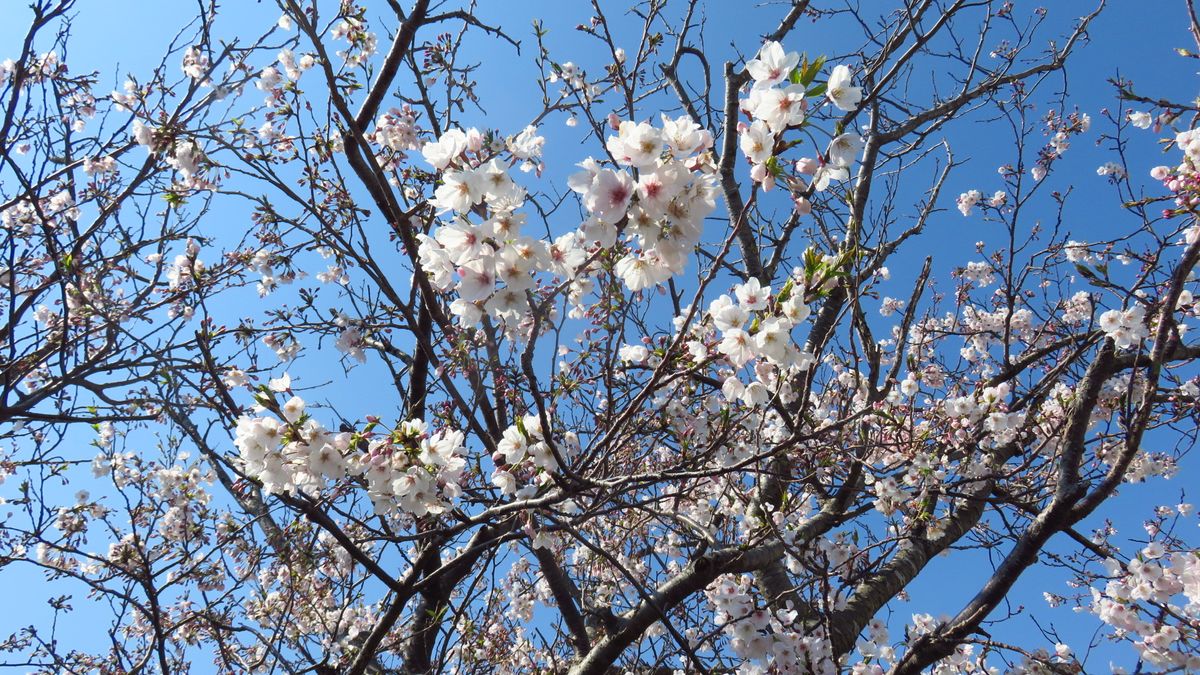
(771, 639)
(1154, 601)
(769, 337)
(778, 102)
(661, 212)
(411, 469)
(1060, 129)
(527, 454)
(1125, 328)
(29, 216)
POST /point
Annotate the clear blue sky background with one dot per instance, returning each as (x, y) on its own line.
(1135, 39)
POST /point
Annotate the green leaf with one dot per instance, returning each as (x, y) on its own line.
(773, 166)
(812, 262)
(811, 71)
(785, 292)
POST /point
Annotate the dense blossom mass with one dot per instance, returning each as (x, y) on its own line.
(689, 361)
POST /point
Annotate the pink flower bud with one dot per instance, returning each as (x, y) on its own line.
(614, 122)
(803, 206)
(806, 166)
(474, 140)
(758, 173)
(1160, 173)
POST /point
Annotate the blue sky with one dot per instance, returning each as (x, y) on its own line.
(1134, 39)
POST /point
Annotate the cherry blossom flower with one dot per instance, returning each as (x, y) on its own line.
(844, 149)
(608, 195)
(460, 191)
(779, 108)
(757, 142)
(637, 144)
(1141, 120)
(839, 90)
(446, 149)
(772, 65)
(967, 201)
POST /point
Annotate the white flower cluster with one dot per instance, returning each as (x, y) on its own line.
(294, 67)
(362, 41)
(1189, 142)
(1060, 130)
(397, 131)
(476, 183)
(415, 471)
(1140, 120)
(409, 469)
(28, 217)
(979, 272)
(570, 74)
(986, 328)
(664, 209)
(285, 346)
(290, 455)
(182, 491)
(527, 147)
(1144, 465)
(770, 335)
(1126, 328)
(774, 109)
(1130, 603)
(195, 63)
(184, 155)
(1184, 179)
(990, 409)
(187, 157)
(634, 354)
(1079, 252)
(263, 263)
(967, 201)
(351, 340)
(875, 646)
(766, 637)
(99, 165)
(186, 268)
(1078, 308)
(1112, 170)
(889, 306)
(779, 108)
(889, 496)
(525, 454)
